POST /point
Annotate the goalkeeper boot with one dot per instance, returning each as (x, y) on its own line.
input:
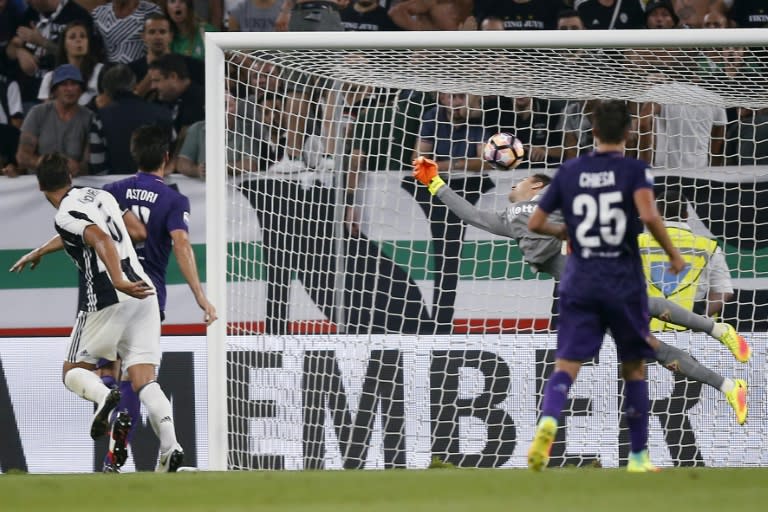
(118, 443)
(640, 462)
(735, 343)
(737, 398)
(170, 461)
(538, 453)
(100, 423)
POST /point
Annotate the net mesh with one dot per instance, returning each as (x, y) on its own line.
(370, 327)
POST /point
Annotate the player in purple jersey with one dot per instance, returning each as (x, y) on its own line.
(605, 198)
(165, 213)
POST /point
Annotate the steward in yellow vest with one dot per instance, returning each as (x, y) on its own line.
(681, 289)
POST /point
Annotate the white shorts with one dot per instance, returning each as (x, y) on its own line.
(130, 328)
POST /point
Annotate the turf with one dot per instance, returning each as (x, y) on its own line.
(695, 490)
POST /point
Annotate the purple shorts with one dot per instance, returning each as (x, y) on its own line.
(584, 321)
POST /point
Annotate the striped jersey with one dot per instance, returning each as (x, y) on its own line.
(80, 208)
(122, 36)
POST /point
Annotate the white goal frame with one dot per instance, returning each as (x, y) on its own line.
(217, 43)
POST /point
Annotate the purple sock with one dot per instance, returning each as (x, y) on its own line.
(636, 406)
(109, 381)
(555, 394)
(129, 401)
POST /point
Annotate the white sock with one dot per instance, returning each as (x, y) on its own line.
(160, 414)
(86, 384)
(718, 330)
(727, 385)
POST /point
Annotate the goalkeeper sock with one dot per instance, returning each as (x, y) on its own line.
(86, 384)
(679, 360)
(555, 394)
(727, 385)
(160, 414)
(668, 311)
(636, 409)
(129, 402)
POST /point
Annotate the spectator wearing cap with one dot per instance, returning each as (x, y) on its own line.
(660, 14)
(61, 125)
(76, 47)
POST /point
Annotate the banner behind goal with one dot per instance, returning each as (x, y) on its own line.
(365, 326)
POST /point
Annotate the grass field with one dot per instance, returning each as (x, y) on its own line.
(445, 490)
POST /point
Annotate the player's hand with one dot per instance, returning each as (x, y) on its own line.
(210, 311)
(137, 289)
(424, 170)
(676, 264)
(32, 258)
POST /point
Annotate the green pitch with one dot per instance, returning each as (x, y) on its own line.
(444, 490)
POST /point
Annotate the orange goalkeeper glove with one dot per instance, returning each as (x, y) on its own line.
(425, 171)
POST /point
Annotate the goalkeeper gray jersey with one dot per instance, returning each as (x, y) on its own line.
(542, 252)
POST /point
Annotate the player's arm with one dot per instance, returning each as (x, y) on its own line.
(105, 249)
(185, 257)
(426, 172)
(649, 214)
(136, 229)
(33, 257)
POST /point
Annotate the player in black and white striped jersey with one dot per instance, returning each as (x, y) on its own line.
(118, 309)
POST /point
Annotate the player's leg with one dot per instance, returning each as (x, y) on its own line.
(628, 322)
(555, 395)
(140, 348)
(160, 414)
(636, 412)
(735, 390)
(123, 426)
(579, 337)
(93, 338)
(668, 311)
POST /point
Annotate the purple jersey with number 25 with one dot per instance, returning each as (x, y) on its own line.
(603, 285)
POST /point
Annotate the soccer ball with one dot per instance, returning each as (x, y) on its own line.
(504, 151)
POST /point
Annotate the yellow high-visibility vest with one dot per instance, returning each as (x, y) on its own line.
(681, 289)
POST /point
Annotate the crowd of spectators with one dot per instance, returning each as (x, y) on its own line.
(77, 75)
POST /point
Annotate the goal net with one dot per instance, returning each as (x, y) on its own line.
(364, 325)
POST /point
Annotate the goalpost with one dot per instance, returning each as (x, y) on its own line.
(362, 327)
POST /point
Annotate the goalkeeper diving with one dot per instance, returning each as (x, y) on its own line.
(544, 253)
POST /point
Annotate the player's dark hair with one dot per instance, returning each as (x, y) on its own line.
(149, 146)
(672, 204)
(611, 120)
(541, 178)
(171, 63)
(53, 172)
